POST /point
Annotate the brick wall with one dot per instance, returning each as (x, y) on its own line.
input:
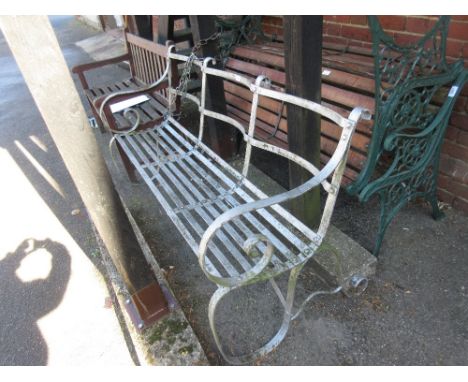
(353, 30)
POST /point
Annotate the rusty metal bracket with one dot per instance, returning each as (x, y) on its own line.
(147, 306)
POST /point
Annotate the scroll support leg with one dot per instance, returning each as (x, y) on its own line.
(278, 337)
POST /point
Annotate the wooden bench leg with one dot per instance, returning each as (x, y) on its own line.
(129, 167)
(98, 119)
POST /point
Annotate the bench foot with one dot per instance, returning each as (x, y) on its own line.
(277, 338)
(287, 317)
(437, 214)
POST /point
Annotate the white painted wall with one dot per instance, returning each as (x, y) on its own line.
(93, 20)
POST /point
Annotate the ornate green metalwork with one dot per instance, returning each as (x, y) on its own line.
(412, 111)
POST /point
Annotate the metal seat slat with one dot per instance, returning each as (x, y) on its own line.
(246, 197)
(229, 268)
(175, 219)
(230, 198)
(209, 213)
(190, 168)
(227, 265)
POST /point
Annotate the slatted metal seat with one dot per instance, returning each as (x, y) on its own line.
(240, 235)
(196, 187)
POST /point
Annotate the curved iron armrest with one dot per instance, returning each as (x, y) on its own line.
(444, 112)
(144, 89)
(339, 157)
(439, 123)
(389, 143)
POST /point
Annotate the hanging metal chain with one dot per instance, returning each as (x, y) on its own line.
(228, 35)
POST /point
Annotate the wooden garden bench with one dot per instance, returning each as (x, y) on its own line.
(146, 66)
(240, 235)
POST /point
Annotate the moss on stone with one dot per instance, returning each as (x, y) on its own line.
(167, 330)
(186, 350)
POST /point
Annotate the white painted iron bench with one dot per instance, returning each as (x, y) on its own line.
(240, 235)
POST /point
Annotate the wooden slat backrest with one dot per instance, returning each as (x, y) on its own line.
(148, 60)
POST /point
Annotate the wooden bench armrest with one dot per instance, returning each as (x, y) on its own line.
(82, 68)
(97, 64)
(161, 83)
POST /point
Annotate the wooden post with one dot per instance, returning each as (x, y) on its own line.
(37, 52)
(221, 137)
(165, 29)
(303, 55)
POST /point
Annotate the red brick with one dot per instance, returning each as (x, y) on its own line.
(406, 39)
(454, 48)
(464, 91)
(445, 196)
(460, 18)
(463, 139)
(339, 19)
(458, 30)
(447, 164)
(179, 24)
(455, 151)
(452, 133)
(420, 25)
(335, 39)
(443, 182)
(460, 172)
(332, 29)
(459, 120)
(460, 204)
(460, 104)
(395, 23)
(358, 20)
(459, 189)
(367, 45)
(453, 186)
(465, 53)
(272, 20)
(268, 29)
(356, 33)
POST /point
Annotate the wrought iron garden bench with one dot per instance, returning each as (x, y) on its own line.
(415, 92)
(409, 89)
(240, 235)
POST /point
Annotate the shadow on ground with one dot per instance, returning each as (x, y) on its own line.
(26, 139)
(27, 345)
